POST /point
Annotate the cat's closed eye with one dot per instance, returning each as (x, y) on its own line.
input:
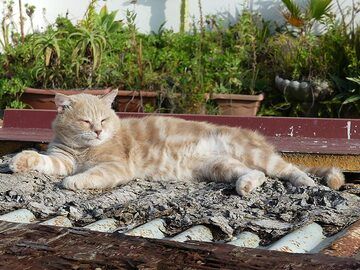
(84, 121)
(102, 121)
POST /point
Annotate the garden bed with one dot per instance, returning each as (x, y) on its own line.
(271, 211)
(320, 71)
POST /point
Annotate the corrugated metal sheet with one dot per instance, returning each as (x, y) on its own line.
(302, 240)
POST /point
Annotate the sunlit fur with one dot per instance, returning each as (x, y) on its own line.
(155, 147)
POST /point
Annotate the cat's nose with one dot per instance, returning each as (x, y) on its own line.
(98, 131)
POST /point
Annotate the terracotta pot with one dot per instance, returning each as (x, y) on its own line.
(129, 101)
(134, 101)
(243, 105)
(44, 98)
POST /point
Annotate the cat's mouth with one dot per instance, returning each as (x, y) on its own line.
(96, 140)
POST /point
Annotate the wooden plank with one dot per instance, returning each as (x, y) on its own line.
(44, 247)
(269, 126)
(284, 144)
(332, 146)
(26, 135)
(289, 135)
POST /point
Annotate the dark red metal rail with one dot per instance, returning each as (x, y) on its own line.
(302, 135)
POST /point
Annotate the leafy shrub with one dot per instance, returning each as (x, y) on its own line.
(242, 58)
(10, 91)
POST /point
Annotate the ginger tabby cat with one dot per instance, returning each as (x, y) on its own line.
(94, 149)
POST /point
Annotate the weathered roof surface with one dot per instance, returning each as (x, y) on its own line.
(271, 211)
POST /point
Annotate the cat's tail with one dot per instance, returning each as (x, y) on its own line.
(333, 177)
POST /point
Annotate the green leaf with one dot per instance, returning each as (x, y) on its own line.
(103, 11)
(293, 8)
(48, 54)
(356, 80)
(319, 8)
(351, 99)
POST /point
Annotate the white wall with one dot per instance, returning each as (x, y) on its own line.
(152, 13)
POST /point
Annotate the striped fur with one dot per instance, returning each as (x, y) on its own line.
(93, 148)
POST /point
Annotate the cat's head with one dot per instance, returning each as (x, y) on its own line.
(85, 120)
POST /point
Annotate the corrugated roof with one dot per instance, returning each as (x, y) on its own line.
(277, 216)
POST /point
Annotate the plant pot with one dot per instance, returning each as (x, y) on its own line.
(135, 101)
(126, 101)
(44, 98)
(233, 104)
(304, 91)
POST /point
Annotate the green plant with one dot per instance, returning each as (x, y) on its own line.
(241, 58)
(89, 48)
(354, 97)
(47, 50)
(329, 56)
(304, 18)
(251, 35)
(298, 58)
(347, 101)
(47, 47)
(29, 10)
(6, 24)
(10, 91)
(106, 21)
(90, 42)
(183, 15)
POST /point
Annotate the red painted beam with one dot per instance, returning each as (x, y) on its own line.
(304, 135)
(41, 135)
(269, 126)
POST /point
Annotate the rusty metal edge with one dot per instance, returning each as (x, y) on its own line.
(346, 162)
(347, 245)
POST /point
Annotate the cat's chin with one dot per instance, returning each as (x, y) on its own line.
(95, 142)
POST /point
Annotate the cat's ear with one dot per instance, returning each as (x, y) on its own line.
(62, 102)
(109, 98)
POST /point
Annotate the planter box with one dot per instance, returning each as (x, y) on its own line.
(134, 101)
(44, 98)
(126, 101)
(232, 104)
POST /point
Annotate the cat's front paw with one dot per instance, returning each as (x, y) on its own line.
(71, 183)
(25, 161)
(248, 182)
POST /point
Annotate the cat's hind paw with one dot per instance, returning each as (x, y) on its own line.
(25, 161)
(71, 183)
(248, 182)
(335, 178)
(303, 180)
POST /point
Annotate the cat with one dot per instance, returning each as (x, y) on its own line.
(94, 149)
